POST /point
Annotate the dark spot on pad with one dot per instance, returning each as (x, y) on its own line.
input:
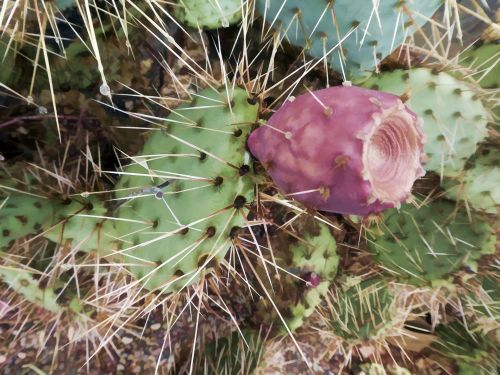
(23, 219)
(24, 283)
(6, 233)
(184, 231)
(210, 232)
(179, 273)
(253, 100)
(237, 133)
(235, 231)
(218, 181)
(203, 156)
(37, 205)
(239, 202)
(244, 169)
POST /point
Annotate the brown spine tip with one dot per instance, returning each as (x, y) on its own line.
(406, 96)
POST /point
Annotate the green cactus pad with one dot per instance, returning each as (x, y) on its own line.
(65, 4)
(208, 14)
(240, 353)
(189, 186)
(485, 60)
(361, 310)
(472, 353)
(316, 27)
(479, 183)
(23, 282)
(84, 224)
(316, 254)
(454, 118)
(22, 214)
(426, 246)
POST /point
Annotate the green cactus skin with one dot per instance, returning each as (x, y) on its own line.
(84, 224)
(179, 229)
(65, 4)
(485, 60)
(472, 353)
(23, 282)
(479, 183)
(208, 14)
(317, 254)
(362, 310)
(310, 25)
(426, 246)
(454, 118)
(22, 214)
(233, 355)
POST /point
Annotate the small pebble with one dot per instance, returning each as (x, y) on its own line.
(127, 340)
(156, 326)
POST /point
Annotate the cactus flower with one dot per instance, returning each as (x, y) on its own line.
(343, 149)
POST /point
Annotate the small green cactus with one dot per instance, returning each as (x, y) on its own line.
(190, 186)
(361, 310)
(208, 14)
(319, 25)
(471, 353)
(316, 256)
(23, 282)
(426, 245)
(239, 353)
(454, 118)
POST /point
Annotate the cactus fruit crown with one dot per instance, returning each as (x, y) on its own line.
(193, 182)
(354, 151)
(426, 245)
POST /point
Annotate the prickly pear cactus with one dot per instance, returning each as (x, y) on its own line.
(316, 256)
(319, 26)
(479, 183)
(353, 151)
(426, 245)
(472, 353)
(23, 214)
(186, 193)
(239, 353)
(454, 118)
(208, 14)
(360, 310)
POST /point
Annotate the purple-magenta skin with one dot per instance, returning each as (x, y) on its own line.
(343, 149)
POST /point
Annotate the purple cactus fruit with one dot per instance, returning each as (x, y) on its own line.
(343, 149)
(312, 279)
